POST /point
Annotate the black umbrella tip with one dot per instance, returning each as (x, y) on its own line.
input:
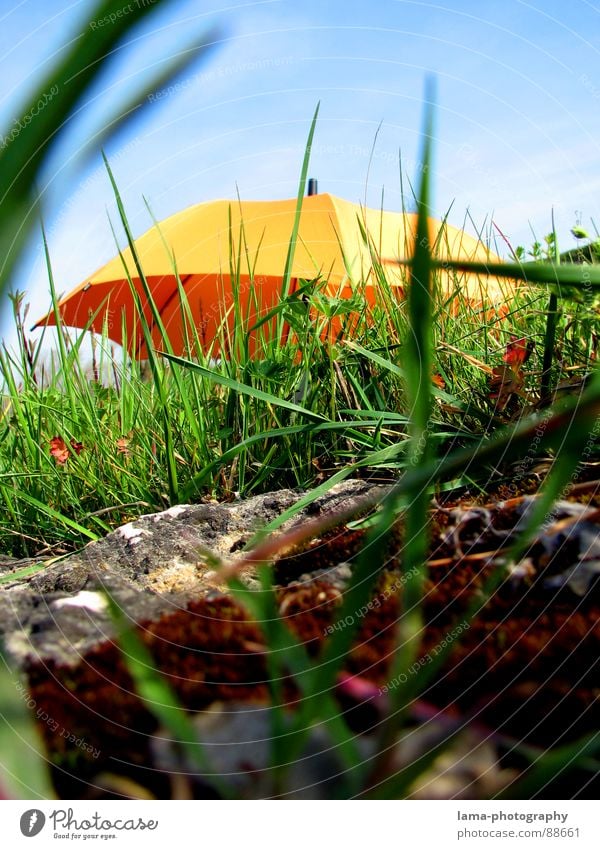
(313, 186)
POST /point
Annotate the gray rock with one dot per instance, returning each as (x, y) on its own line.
(237, 741)
(150, 566)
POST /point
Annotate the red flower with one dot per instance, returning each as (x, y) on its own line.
(59, 450)
(517, 352)
(123, 446)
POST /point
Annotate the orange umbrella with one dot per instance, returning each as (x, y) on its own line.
(205, 242)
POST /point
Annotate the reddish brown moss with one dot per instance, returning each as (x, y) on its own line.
(527, 664)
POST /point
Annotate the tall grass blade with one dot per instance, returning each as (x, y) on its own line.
(157, 694)
(536, 273)
(243, 388)
(550, 332)
(552, 765)
(24, 772)
(197, 49)
(45, 116)
(289, 260)
(155, 367)
(418, 371)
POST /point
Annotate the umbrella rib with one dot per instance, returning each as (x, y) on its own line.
(171, 297)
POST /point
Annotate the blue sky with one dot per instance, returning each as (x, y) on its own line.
(517, 128)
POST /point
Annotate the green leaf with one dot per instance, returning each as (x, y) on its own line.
(24, 772)
(552, 765)
(56, 514)
(289, 260)
(242, 388)
(199, 47)
(59, 96)
(157, 695)
(538, 273)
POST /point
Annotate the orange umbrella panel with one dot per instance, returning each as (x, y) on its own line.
(207, 304)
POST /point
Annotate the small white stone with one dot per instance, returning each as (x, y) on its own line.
(95, 602)
(132, 534)
(173, 512)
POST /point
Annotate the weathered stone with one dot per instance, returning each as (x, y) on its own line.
(149, 565)
(237, 741)
(533, 682)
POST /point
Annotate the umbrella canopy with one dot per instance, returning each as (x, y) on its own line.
(222, 246)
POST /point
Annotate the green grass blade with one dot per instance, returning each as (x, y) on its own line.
(198, 48)
(550, 332)
(289, 260)
(24, 772)
(538, 273)
(45, 116)
(243, 388)
(152, 358)
(417, 368)
(157, 694)
(55, 514)
(552, 765)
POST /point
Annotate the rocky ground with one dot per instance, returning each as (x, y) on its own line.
(524, 671)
